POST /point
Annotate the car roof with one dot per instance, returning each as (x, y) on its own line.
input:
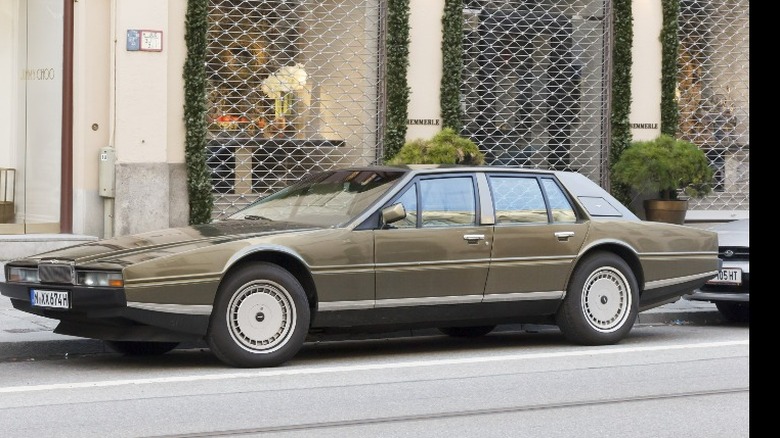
(444, 168)
(592, 198)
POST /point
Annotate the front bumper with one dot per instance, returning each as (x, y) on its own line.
(725, 293)
(86, 300)
(698, 295)
(102, 313)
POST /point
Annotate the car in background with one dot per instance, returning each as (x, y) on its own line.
(730, 289)
(460, 249)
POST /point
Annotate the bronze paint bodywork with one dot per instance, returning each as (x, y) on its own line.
(356, 267)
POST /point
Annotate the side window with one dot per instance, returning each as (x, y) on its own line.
(448, 202)
(409, 200)
(562, 210)
(518, 200)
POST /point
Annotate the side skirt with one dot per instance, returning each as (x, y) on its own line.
(453, 315)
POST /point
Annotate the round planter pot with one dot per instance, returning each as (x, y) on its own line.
(658, 210)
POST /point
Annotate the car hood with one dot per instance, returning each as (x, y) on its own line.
(126, 250)
(735, 233)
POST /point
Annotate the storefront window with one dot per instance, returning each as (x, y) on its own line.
(30, 115)
(293, 87)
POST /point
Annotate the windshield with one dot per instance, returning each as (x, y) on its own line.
(325, 199)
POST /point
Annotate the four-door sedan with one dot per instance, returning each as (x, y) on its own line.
(461, 249)
(730, 289)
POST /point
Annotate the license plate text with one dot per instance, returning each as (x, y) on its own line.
(55, 299)
(728, 276)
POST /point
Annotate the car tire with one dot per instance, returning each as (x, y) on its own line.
(260, 318)
(139, 348)
(467, 332)
(601, 303)
(734, 312)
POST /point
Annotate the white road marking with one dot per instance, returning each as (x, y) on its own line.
(369, 367)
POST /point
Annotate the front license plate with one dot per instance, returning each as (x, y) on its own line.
(54, 299)
(728, 276)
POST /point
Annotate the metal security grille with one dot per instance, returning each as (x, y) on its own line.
(535, 83)
(714, 92)
(295, 86)
(292, 87)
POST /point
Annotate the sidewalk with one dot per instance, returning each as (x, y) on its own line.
(24, 336)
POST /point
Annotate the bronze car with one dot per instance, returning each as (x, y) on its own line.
(461, 249)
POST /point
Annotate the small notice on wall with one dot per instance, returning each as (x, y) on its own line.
(144, 40)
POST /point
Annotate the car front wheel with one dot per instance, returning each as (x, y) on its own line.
(260, 318)
(601, 303)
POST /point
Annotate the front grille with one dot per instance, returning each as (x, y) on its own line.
(740, 253)
(56, 273)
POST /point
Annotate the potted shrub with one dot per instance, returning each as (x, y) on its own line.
(669, 167)
(446, 147)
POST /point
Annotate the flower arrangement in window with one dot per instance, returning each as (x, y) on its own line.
(281, 86)
(230, 122)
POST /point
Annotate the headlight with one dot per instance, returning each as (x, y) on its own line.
(98, 278)
(22, 275)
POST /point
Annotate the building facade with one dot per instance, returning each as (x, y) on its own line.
(92, 94)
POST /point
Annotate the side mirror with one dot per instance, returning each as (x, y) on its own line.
(393, 213)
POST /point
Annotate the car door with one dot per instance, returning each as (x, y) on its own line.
(438, 254)
(537, 237)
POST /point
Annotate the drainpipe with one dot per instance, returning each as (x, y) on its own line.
(107, 157)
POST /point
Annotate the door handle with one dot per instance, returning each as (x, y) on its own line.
(473, 238)
(564, 236)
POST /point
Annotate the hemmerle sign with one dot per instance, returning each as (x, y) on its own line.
(644, 125)
(425, 122)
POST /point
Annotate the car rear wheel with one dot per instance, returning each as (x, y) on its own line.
(734, 312)
(467, 332)
(601, 303)
(139, 348)
(260, 318)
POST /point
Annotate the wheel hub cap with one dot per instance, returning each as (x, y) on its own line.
(261, 316)
(607, 300)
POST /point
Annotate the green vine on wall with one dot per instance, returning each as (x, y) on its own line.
(621, 91)
(452, 64)
(397, 84)
(670, 48)
(198, 175)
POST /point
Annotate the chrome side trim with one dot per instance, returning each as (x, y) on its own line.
(417, 266)
(330, 306)
(672, 281)
(186, 309)
(525, 296)
(429, 301)
(172, 281)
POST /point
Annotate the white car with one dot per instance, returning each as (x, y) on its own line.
(730, 289)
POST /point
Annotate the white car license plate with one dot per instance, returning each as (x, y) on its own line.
(55, 299)
(728, 276)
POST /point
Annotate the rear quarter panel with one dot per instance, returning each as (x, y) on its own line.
(665, 251)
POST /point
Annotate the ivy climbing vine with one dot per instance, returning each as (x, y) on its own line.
(199, 187)
(452, 64)
(621, 91)
(397, 85)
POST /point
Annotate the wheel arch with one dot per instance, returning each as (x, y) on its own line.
(622, 251)
(296, 266)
